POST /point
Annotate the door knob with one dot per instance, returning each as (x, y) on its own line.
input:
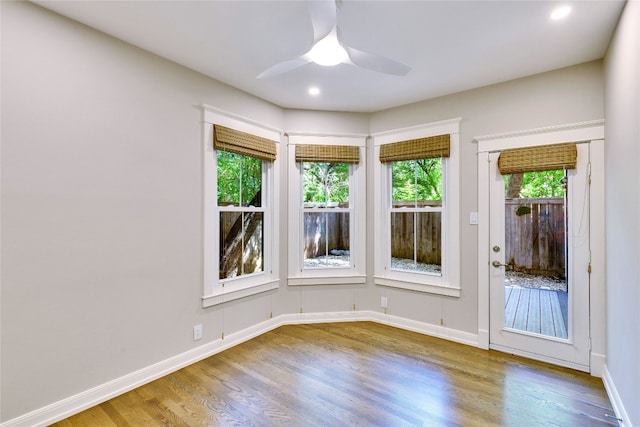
(497, 264)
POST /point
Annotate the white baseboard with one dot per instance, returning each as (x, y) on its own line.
(72, 405)
(597, 364)
(614, 397)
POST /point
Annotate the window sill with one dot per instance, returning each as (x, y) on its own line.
(450, 291)
(231, 293)
(327, 280)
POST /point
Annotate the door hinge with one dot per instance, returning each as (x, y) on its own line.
(589, 268)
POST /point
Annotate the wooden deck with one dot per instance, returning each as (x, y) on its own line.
(540, 311)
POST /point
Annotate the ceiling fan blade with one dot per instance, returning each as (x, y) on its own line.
(323, 18)
(283, 67)
(374, 62)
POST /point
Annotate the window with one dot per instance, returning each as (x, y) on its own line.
(325, 214)
(416, 216)
(241, 214)
(416, 203)
(327, 219)
(240, 226)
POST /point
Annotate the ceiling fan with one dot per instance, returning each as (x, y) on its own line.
(328, 49)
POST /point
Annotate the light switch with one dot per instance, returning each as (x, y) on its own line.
(473, 218)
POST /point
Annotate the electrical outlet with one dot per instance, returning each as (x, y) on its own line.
(384, 303)
(197, 332)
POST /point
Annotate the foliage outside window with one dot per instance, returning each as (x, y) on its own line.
(240, 183)
(416, 216)
(326, 214)
(535, 184)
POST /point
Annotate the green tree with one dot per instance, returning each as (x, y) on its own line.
(239, 179)
(417, 180)
(325, 182)
(536, 184)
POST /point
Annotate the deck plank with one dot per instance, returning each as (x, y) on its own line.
(539, 311)
(511, 305)
(546, 316)
(558, 318)
(533, 317)
(522, 312)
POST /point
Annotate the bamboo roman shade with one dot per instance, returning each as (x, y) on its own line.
(536, 159)
(237, 142)
(412, 149)
(327, 153)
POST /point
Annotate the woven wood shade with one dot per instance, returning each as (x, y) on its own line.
(327, 153)
(237, 142)
(536, 159)
(412, 149)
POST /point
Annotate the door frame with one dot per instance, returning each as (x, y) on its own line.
(592, 131)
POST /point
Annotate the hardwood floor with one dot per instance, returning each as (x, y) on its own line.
(358, 374)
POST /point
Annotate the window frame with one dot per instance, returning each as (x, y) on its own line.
(417, 210)
(215, 290)
(243, 209)
(356, 273)
(448, 283)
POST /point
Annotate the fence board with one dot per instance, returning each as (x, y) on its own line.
(535, 240)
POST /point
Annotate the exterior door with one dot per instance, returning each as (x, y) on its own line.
(539, 263)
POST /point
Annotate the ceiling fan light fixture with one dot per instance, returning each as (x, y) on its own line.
(328, 51)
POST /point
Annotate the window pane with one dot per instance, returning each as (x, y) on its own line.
(417, 182)
(429, 242)
(251, 179)
(228, 178)
(252, 254)
(325, 184)
(239, 180)
(241, 243)
(402, 241)
(429, 182)
(326, 239)
(416, 241)
(403, 188)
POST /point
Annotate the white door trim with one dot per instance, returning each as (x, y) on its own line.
(575, 132)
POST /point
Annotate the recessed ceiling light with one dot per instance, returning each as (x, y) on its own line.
(314, 91)
(560, 13)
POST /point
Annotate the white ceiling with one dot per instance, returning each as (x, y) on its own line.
(451, 45)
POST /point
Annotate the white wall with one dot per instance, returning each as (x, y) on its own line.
(622, 151)
(564, 96)
(101, 203)
(101, 208)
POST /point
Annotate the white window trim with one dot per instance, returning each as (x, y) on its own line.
(216, 291)
(449, 283)
(356, 274)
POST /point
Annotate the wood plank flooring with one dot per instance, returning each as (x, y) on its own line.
(541, 311)
(358, 374)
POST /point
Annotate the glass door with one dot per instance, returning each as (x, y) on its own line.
(539, 264)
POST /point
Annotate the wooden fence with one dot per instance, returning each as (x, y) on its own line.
(428, 239)
(535, 236)
(322, 226)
